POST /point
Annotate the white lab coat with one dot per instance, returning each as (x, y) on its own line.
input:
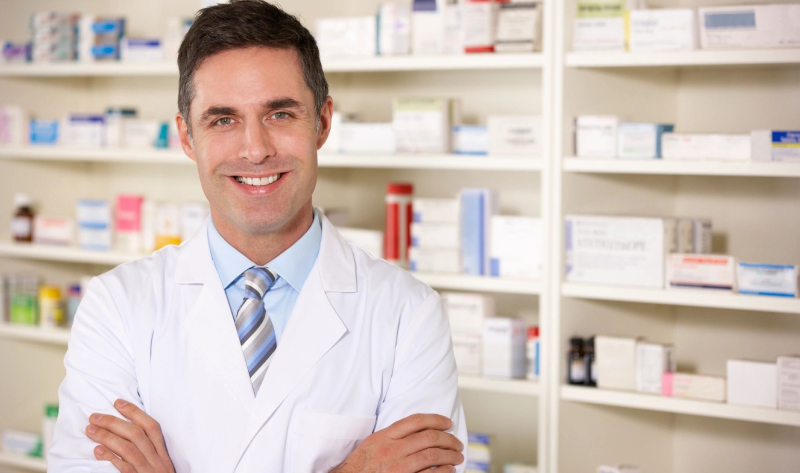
(366, 345)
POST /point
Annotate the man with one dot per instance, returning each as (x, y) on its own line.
(265, 343)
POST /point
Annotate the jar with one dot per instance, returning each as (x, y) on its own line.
(51, 314)
(398, 223)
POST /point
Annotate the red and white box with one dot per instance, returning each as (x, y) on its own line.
(399, 215)
(701, 271)
(128, 223)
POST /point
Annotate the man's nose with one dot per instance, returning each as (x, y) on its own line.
(257, 145)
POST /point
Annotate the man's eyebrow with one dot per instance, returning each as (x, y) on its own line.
(215, 110)
(283, 102)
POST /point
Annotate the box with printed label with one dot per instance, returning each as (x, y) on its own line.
(515, 135)
(467, 352)
(344, 37)
(357, 138)
(598, 34)
(470, 139)
(434, 260)
(615, 362)
(466, 312)
(768, 279)
(641, 140)
(701, 271)
(621, 251)
(516, 247)
(652, 361)
(423, 125)
(771, 145)
(752, 26)
(435, 210)
(479, 21)
(789, 383)
(503, 348)
(662, 30)
(596, 136)
(53, 231)
(693, 386)
(94, 224)
(518, 27)
(435, 235)
(427, 28)
(753, 383)
(684, 146)
(394, 29)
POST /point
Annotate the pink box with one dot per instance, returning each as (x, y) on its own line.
(129, 213)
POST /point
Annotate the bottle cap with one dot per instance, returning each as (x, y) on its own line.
(399, 188)
(49, 292)
(533, 332)
(22, 200)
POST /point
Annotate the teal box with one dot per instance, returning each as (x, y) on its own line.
(641, 140)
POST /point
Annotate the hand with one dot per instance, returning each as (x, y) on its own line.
(410, 445)
(132, 447)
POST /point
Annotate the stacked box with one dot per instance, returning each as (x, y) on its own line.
(652, 361)
(504, 348)
(479, 454)
(615, 362)
(394, 29)
(54, 37)
(466, 314)
(435, 236)
(478, 206)
(423, 125)
(94, 224)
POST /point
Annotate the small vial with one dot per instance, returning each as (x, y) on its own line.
(576, 368)
(22, 221)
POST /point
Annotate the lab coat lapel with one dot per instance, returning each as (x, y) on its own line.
(208, 320)
(313, 328)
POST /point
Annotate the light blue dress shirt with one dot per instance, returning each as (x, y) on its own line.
(293, 267)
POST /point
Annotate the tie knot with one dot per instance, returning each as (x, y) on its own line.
(257, 281)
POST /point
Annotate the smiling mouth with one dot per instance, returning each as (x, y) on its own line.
(258, 182)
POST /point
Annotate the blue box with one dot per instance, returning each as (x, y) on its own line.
(44, 132)
(477, 207)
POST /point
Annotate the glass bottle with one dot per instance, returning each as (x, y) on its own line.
(576, 370)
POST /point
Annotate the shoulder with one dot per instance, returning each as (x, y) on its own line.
(142, 279)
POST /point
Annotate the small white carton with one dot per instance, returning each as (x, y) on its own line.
(435, 210)
(434, 260)
(701, 271)
(652, 361)
(662, 30)
(596, 136)
(504, 348)
(435, 235)
(370, 241)
(701, 147)
(693, 386)
(515, 134)
(615, 362)
(466, 312)
(753, 383)
(751, 26)
(770, 145)
(598, 34)
(516, 247)
(768, 279)
(789, 383)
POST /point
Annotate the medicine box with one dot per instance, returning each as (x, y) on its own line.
(394, 29)
(434, 260)
(683, 146)
(358, 138)
(477, 207)
(453, 20)
(641, 140)
(598, 34)
(504, 348)
(516, 247)
(662, 30)
(167, 225)
(347, 37)
(16, 442)
(693, 386)
(85, 130)
(518, 27)
(479, 454)
(423, 125)
(43, 132)
(467, 352)
(768, 279)
(53, 231)
(370, 241)
(701, 271)
(479, 20)
(435, 235)
(435, 210)
(516, 135)
(652, 361)
(13, 126)
(752, 383)
(789, 383)
(94, 224)
(596, 136)
(620, 251)
(466, 312)
(427, 28)
(769, 145)
(146, 50)
(615, 362)
(193, 215)
(747, 27)
(470, 139)
(127, 235)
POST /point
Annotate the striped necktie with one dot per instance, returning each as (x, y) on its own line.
(253, 325)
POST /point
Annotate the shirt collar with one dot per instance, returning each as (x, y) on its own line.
(293, 265)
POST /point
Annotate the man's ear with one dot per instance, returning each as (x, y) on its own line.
(186, 138)
(324, 128)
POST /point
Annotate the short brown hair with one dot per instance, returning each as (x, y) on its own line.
(242, 24)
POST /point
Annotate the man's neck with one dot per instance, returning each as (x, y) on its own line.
(263, 248)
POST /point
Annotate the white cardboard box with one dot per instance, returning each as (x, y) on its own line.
(701, 271)
(789, 383)
(596, 136)
(685, 146)
(503, 348)
(753, 383)
(598, 34)
(435, 210)
(423, 125)
(770, 145)
(693, 386)
(518, 27)
(515, 135)
(467, 352)
(479, 24)
(652, 361)
(662, 30)
(615, 362)
(434, 260)
(435, 235)
(747, 27)
(364, 138)
(768, 279)
(427, 32)
(516, 247)
(466, 312)
(394, 29)
(621, 251)
(347, 37)
(640, 140)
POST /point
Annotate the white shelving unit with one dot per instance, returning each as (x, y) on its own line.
(684, 58)
(57, 336)
(503, 386)
(23, 462)
(650, 402)
(681, 168)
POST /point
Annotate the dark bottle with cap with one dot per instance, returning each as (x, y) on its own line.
(588, 362)
(22, 221)
(576, 368)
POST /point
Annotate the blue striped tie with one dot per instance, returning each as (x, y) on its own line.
(253, 325)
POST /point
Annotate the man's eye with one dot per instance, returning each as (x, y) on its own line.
(224, 121)
(281, 116)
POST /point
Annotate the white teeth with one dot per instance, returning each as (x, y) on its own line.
(256, 181)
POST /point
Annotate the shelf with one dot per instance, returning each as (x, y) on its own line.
(33, 333)
(330, 65)
(683, 58)
(461, 282)
(65, 254)
(23, 462)
(506, 386)
(652, 402)
(171, 156)
(684, 168)
(683, 297)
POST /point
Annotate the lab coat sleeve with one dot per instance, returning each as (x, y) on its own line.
(424, 379)
(100, 369)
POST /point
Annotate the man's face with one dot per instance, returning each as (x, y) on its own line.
(254, 137)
